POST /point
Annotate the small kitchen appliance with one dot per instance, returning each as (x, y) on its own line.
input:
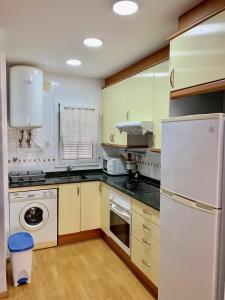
(114, 166)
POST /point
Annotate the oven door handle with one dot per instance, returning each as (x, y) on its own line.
(121, 213)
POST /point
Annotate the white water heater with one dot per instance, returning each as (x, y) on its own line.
(26, 97)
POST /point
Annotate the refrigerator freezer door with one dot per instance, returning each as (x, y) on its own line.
(189, 242)
(191, 159)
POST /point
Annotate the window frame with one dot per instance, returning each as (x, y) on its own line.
(59, 161)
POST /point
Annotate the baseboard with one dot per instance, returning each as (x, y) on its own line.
(4, 295)
(78, 236)
(45, 245)
(127, 260)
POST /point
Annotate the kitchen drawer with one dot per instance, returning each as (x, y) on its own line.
(147, 262)
(146, 232)
(146, 211)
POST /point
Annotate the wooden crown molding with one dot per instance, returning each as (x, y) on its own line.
(199, 12)
(209, 87)
(141, 65)
(197, 15)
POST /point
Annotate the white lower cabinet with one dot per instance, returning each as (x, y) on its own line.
(145, 238)
(145, 260)
(90, 205)
(79, 207)
(104, 208)
(69, 208)
(146, 232)
(85, 206)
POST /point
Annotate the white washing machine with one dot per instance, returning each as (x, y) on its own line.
(35, 212)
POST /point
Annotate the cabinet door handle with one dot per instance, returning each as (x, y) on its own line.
(145, 263)
(128, 115)
(146, 227)
(78, 190)
(110, 138)
(145, 211)
(145, 241)
(100, 188)
(172, 78)
(113, 138)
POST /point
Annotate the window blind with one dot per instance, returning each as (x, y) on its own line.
(78, 131)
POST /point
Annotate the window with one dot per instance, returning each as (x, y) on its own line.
(77, 134)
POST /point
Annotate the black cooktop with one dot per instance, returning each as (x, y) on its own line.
(141, 186)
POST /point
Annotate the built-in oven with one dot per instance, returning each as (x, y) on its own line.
(120, 221)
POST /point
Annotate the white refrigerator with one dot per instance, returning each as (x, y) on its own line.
(192, 204)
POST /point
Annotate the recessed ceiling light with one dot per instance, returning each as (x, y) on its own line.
(93, 42)
(74, 62)
(125, 7)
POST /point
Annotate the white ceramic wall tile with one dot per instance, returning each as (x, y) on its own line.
(149, 162)
(150, 165)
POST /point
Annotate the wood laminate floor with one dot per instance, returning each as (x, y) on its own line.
(87, 270)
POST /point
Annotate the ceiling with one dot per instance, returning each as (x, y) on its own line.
(46, 33)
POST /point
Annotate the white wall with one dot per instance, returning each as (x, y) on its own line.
(63, 87)
(3, 174)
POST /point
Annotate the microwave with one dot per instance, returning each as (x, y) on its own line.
(114, 166)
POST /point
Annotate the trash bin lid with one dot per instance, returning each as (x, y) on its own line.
(20, 241)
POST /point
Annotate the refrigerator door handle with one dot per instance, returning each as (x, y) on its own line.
(203, 207)
(190, 203)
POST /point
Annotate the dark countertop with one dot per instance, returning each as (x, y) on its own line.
(148, 189)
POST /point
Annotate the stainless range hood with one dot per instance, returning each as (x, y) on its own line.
(136, 128)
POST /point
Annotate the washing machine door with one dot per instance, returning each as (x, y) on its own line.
(34, 216)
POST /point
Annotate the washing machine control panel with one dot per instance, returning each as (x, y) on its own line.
(38, 194)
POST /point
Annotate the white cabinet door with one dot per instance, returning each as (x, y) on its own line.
(188, 252)
(90, 205)
(198, 55)
(104, 208)
(114, 111)
(140, 96)
(69, 208)
(192, 151)
(161, 99)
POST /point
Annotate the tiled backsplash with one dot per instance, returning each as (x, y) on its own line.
(39, 156)
(149, 162)
(150, 165)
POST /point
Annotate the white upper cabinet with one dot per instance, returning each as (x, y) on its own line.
(140, 96)
(161, 99)
(198, 55)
